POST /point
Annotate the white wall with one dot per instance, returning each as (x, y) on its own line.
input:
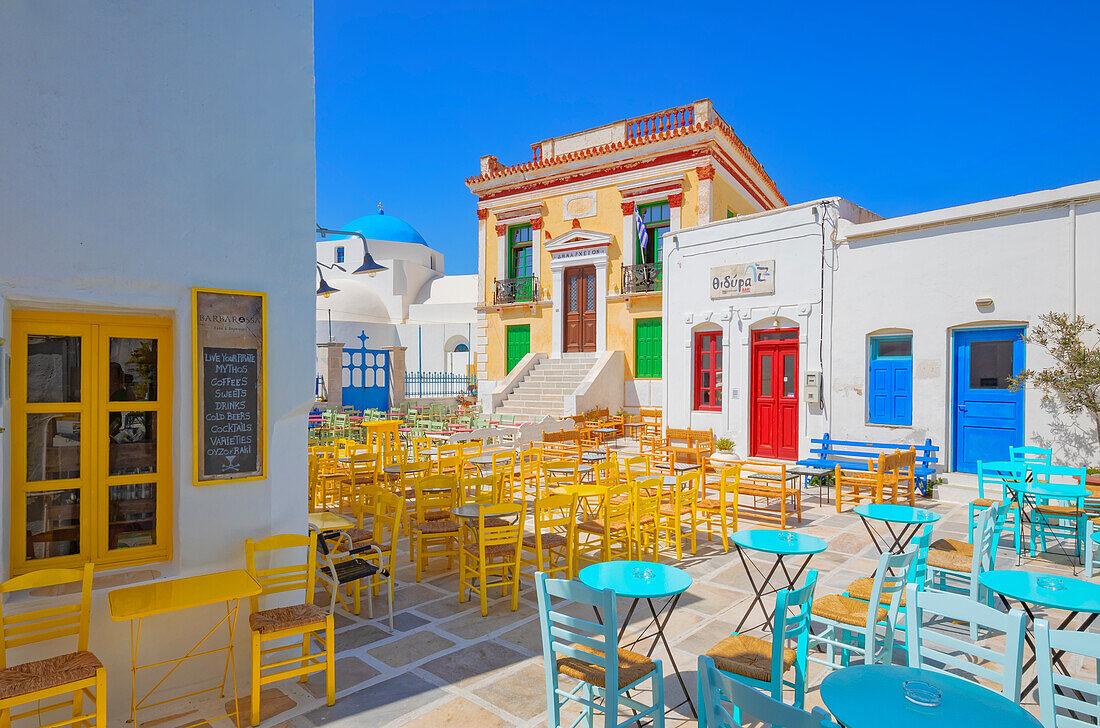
(928, 280)
(148, 148)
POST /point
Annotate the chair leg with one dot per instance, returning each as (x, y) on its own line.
(101, 698)
(483, 588)
(330, 661)
(254, 716)
(305, 655)
(78, 706)
(462, 568)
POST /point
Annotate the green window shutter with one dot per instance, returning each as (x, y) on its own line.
(647, 348)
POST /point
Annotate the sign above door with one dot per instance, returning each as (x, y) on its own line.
(742, 279)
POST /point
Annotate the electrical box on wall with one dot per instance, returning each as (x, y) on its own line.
(813, 387)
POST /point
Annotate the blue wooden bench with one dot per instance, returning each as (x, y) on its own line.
(853, 455)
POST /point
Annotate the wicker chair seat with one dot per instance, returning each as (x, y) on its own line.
(549, 540)
(493, 551)
(440, 525)
(845, 610)
(670, 510)
(632, 667)
(597, 526)
(713, 504)
(50, 672)
(267, 621)
(861, 589)
(1059, 511)
(361, 536)
(950, 553)
(748, 656)
(985, 502)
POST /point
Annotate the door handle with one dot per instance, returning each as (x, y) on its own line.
(962, 408)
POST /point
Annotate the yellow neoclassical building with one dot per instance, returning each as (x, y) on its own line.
(570, 252)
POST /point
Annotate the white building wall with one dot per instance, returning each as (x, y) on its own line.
(139, 158)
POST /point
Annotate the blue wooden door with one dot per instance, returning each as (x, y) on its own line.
(988, 416)
(366, 382)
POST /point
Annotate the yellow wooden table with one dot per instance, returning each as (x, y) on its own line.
(135, 603)
(329, 521)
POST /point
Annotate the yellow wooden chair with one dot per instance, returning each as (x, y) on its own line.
(529, 464)
(450, 464)
(645, 497)
(853, 487)
(609, 535)
(679, 507)
(550, 547)
(718, 505)
(485, 489)
(434, 532)
(491, 545)
(280, 624)
(504, 467)
(387, 512)
(364, 468)
(77, 673)
(558, 474)
(419, 445)
(636, 466)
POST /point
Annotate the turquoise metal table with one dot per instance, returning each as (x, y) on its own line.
(870, 696)
(907, 519)
(1030, 493)
(648, 581)
(1079, 598)
(779, 544)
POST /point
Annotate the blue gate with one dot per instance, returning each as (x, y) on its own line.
(366, 378)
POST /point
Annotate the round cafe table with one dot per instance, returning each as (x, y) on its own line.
(870, 696)
(644, 581)
(779, 544)
(1080, 599)
(908, 520)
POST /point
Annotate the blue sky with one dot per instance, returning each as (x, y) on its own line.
(897, 107)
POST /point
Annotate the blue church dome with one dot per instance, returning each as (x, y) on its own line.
(381, 226)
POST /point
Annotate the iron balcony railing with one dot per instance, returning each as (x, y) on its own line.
(516, 290)
(641, 278)
(439, 384)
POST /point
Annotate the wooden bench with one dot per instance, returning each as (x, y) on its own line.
(855, 455)
(769, 481)
(563, 445)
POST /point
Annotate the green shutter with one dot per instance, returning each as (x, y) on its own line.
(647, 348)
(518, 340)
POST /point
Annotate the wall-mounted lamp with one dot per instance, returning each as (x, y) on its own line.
(370, 266)
(984, 303)
(324, 289)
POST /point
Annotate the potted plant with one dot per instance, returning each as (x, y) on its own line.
(724, 452)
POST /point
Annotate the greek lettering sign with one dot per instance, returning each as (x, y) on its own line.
(230, 406)
(743, 279)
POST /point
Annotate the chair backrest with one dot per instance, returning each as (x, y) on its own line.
(791, 621)
(685, 491)
(1060, 694)
(605, 473)
(988, 530)
(891, 578)
(556, 514)
(718, 689)
(497, 525)
(364, 463)
(918, 573)
(434, 494)
(487, 489)
(949, 649)
(729, 481)
(616, 504)
(287, 578)
(645, 501)
(999, 477)
(1030, 454)
(558, 473)
(388, 511)
(567, 636)
(637, 465)
(1059, 474)
(32, 626)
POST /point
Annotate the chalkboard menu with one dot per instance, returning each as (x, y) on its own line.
(229, 386)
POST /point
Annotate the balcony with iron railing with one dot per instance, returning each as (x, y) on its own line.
(516, 290)
(642, 278)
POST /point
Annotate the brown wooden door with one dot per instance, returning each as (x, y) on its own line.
(580, 308)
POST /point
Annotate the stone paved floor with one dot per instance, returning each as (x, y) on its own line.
(445, 665)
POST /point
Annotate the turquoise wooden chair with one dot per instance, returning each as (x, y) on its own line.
(990, 477)
(945, 647)
(1066, 519)
(1061, 694)
(716, 689)
(956, 567)
(579, 648)
(851, 626)
(1030, 454)
(918, 575)
(761, 664)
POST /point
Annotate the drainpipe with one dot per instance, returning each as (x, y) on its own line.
(1073, 257)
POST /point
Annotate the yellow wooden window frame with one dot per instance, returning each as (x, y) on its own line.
(94, 409)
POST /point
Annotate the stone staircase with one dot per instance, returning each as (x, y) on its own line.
(543, 390)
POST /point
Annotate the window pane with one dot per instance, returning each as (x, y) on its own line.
(777, 336)
(53, 368)
(53, 523)
(990, 364)
(766, 375)
(788, 375)
(132, 447)
(53, 446)
(133, 370)
(590, 292)
(717, 356)
(894, 347)
(133, 515)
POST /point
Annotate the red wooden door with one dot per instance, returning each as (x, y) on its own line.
(774, 407)
(580, 309)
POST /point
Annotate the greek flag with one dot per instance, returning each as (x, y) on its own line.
(640, 231)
